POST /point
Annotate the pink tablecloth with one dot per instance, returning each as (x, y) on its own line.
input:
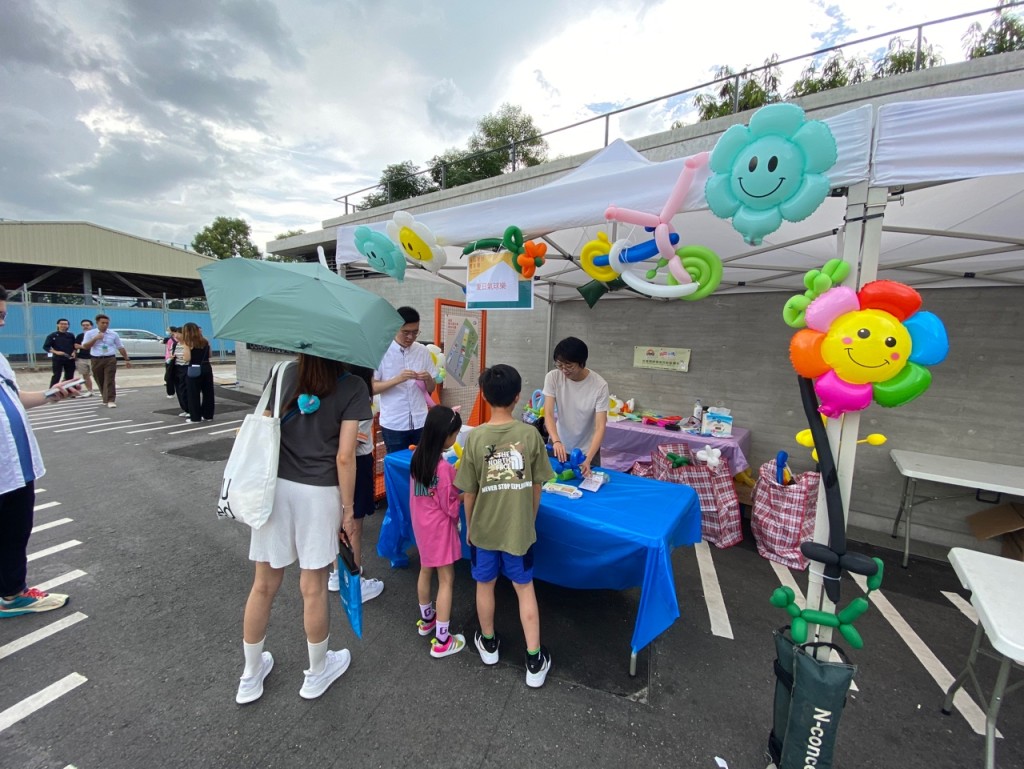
(627, 441)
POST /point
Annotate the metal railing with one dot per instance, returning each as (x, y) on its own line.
(735, 78)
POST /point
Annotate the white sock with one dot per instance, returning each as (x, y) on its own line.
(318, 656)
(253, 658)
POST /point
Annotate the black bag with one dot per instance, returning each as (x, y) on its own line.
(809, 699)
(194, 371)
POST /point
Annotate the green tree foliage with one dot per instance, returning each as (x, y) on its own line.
(289, 234)
(902, 57)
(835, 72)
(756, 89)
(510, 140)
(455, 167)
(1003, 35)
(399, 181)
(226, 238)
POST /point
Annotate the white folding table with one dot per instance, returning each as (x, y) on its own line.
(996, 584)
(954, 471)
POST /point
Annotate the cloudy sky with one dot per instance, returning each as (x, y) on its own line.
(154, 117)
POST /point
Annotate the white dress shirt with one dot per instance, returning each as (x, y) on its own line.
(11, 477)
(403, 406)
(106, 347)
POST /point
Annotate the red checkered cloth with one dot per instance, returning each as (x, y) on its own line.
(642, 469)
(783, 516)
(720, 522)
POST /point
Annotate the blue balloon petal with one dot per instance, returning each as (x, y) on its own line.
(929, 343)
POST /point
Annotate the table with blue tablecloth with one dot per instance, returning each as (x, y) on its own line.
(619, 537)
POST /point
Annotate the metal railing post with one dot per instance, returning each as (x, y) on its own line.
(30, 349)
(607, 123)
(736, 94)
(444, 175)
(917, 53)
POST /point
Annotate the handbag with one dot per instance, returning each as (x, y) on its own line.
(194, 371)
(720, 521)
(783, 516)
(351, 585)
(250, 476)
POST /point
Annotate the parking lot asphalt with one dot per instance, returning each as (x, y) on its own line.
(140, 668)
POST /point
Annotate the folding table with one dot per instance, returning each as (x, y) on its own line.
(955, 471)
(996, 584)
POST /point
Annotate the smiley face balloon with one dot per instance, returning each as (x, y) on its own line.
(381, 253)
(771, 171)
(417, 241)
(873, 344)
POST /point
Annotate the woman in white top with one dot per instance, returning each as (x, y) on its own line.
(575, 404)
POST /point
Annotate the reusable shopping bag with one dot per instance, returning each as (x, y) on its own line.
(250, 476)
(351, 584)
(720, 522)
(783, 515)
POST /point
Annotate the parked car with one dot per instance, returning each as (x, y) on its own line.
(140, 343)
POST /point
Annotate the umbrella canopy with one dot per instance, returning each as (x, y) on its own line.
(298, 307)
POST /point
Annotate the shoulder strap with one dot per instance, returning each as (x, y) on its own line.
(276, 376)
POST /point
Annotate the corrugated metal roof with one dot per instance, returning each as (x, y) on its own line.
(85, 246)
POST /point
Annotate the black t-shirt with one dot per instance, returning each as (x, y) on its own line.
(60, 340)
(82, 353)
(309, 442)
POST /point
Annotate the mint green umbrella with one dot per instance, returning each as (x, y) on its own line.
(299, 307)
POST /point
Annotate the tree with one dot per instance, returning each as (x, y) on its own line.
(836, 72)
(289, 234)
(755, 90)
(902, 56)
(511, 140)
(455, 167)
(1003, 35)
(226, 238)
(399, 181)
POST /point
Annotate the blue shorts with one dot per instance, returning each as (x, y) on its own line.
(487, 563)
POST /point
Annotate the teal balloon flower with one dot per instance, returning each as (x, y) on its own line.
(771, 171)
(381, 252)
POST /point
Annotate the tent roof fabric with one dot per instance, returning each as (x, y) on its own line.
(955, 222)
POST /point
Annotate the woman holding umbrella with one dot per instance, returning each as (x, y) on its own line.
(314, 495)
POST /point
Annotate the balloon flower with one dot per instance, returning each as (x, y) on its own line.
(872, 344)
(771, 171)
(381, 253)
(437, 358)
(416, 240)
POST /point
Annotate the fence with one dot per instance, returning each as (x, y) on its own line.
(31, 316)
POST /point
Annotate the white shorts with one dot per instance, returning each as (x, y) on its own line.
(304, 525)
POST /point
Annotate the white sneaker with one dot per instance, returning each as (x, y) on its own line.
(184, 414)
(251, 689)
(315, 685)
(111, 405)
(371, 588)
(170, 396)
(86, 394)
(334, 582)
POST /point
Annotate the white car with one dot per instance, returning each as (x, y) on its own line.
(140, 343)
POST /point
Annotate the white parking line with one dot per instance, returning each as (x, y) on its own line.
(44, 506)
(961, 603)
(207, 426)
(86, 427)
(964, 704)
(40, 491)
(56, 408)
(40, 699)
(57, 581)
(38, 635)
(73, 422)
(55, 549)
(717, 613)
(51, 524)
(63, 417)
(165, 426)
(221, 432)
(131, 424)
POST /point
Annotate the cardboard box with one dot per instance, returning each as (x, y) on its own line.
(1005, 520)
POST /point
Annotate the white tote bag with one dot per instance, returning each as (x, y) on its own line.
(247, 492)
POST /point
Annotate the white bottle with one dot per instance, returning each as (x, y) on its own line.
(698, 411)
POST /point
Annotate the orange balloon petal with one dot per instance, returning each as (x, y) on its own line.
(805, 353)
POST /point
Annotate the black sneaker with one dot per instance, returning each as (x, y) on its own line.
(488, 648)
(537, 668)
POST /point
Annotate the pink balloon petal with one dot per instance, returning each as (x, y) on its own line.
(838, 396)
(829, 306)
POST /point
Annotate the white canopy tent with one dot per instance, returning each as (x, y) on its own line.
(953, 170)
(928, 193)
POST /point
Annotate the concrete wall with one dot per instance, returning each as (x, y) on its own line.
(973, 409)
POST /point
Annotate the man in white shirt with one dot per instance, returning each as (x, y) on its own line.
(404, 381)
(103, 346)
(581, 397)
(20, 465)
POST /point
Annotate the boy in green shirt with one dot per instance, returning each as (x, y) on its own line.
(503, 467)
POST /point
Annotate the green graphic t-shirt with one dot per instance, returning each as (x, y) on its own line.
(501, 464)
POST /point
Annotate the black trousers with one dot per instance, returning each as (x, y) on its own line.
(169, 378)
(16, 515)
(199, 391)
(63, 368)
(179, 386)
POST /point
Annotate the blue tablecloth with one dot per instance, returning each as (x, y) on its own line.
(619, 537)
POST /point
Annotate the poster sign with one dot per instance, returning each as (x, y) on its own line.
(460, 347)
(662, 358)
(492, 283)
